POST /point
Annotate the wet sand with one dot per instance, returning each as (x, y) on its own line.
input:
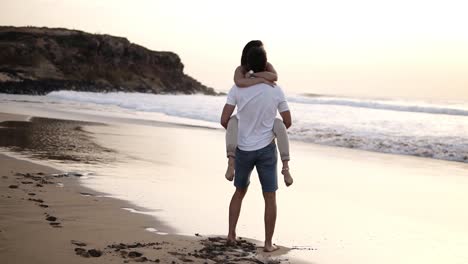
(346, 205)
(47, 217)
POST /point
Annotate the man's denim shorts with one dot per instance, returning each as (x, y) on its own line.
(265, 160)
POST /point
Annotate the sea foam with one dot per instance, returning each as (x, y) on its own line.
(435, 130)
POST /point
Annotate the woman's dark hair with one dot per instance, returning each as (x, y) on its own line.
(245, 51)
(257, 59)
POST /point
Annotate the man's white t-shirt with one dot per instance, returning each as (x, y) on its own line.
(257, 107)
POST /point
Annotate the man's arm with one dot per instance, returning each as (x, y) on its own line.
(226, 114)
(286, 116)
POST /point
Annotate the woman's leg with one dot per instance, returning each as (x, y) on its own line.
(283, 146)
(231, 145)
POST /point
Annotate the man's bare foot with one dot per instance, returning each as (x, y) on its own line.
(288, 180)
(230, 169)
(231, 240)
(270, 248)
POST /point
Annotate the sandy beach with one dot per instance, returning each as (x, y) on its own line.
(48, 217)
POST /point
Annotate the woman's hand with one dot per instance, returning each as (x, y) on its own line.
(265, 81)
(249, 74)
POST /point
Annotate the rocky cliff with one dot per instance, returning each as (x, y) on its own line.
(40, 60)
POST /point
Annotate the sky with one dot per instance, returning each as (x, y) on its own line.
(371, 48)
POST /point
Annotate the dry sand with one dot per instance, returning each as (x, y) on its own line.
(47, 217)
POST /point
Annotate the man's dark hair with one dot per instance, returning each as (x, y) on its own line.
(257, 59)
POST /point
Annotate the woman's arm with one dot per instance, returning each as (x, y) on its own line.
(242, 81)
(269, 73)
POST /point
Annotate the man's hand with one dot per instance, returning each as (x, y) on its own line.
(226, 114)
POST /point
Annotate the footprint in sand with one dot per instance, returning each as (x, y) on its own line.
(55, 224)
(78, 243)
(27, 182)
(36, 200)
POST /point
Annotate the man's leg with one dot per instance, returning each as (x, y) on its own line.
(266, 168)
(234, 212)
(245, 161)
(270, 220)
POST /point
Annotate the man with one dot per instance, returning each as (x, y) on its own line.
(257, 107)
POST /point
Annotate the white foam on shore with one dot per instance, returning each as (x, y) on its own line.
(391, 126)
(454, 108)
(420, 128)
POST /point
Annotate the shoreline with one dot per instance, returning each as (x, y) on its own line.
(83, 226)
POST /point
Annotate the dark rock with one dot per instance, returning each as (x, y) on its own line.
(5, 177)
(51, 218)
(134, 254)
(217, 250)
(94, 253)
(39, 185)
(82, 252)
(31, 194)
(40, 60)
(27, 182)
(43, 205)
(142, 259)
(13, 186)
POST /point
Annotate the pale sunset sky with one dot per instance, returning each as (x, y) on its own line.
(399, 48)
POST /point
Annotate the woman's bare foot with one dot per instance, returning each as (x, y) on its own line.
(270, 248)
(230, 169)
(288, 180)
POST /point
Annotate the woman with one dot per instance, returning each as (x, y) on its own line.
(245, 78)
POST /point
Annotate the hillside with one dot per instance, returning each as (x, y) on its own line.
(40, 60)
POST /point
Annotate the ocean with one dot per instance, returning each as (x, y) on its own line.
(376, 180)
(432, 129)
